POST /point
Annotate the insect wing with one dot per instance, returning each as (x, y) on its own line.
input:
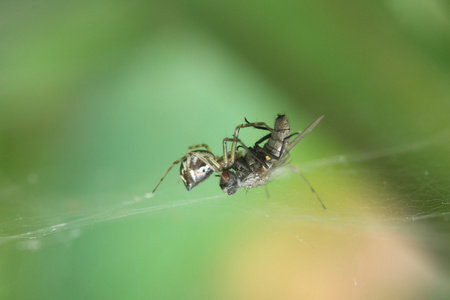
(303, 134)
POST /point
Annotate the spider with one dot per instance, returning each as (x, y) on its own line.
(243, 169)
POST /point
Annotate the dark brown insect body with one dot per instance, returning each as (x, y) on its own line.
(257, 165)
(250, 168)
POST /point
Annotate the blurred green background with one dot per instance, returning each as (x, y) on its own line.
(97, 100)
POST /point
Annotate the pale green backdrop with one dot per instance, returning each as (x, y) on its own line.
(97, 99)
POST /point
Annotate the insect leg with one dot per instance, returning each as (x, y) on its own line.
(263, 139)
(308, 184)
(267, 191)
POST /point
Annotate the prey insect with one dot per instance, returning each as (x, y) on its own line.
(249, 168)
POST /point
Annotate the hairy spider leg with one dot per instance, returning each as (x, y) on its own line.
(212, 163)
(233, 153)
(199, 146)
(228, 163)
(259, 125)
(235, 140)
(168, 170)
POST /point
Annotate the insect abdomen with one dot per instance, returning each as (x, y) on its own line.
(279, 134)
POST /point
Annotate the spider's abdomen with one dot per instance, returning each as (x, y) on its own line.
(194, 170)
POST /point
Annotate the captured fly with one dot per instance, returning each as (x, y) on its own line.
(249, 168)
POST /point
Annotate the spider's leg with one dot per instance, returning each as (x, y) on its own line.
(168, 170)
(258, 125)
(235, 140)
(210, 162)
(228, 163)
(189, 149)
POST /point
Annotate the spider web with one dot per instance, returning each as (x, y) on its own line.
(419, 191)
(387, 185)
(420, 196)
